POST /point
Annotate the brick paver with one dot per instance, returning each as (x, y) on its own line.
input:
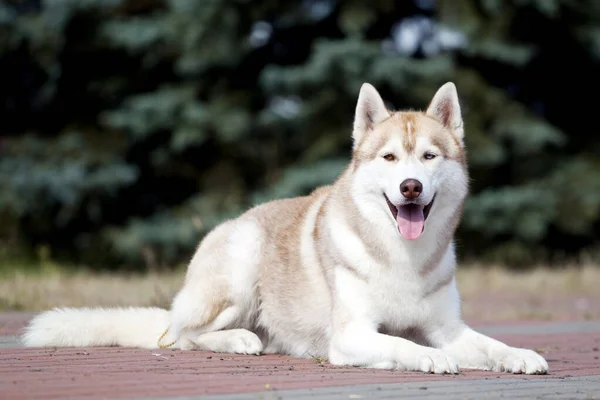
(94, 373)
(585, 388)
(12, 322)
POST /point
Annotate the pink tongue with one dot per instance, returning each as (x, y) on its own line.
(410, 221)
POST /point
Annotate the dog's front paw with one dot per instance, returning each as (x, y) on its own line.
(437, 362)
(519, 361)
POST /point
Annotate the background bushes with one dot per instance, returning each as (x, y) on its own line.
(130, 128)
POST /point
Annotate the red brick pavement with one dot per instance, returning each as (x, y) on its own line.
(94, 373)
(12, 322)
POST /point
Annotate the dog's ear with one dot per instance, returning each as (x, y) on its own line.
(445, 108)
(370, 110)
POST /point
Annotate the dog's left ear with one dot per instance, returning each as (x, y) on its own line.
(446, 109)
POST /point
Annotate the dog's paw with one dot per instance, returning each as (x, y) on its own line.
(244, 342)
(437, 362)
(520, 361)
(238, 341)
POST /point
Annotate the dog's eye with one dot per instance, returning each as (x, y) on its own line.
(429, 156)
(389, 157)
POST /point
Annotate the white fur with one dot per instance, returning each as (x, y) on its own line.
(360, 295)
(135, 327)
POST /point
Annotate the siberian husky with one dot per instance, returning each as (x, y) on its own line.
(361, 272)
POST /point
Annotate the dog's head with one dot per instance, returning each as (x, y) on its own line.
(413, 164)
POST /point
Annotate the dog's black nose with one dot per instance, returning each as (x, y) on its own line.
(411, 188)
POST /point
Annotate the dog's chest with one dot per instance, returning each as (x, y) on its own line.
(399, 301)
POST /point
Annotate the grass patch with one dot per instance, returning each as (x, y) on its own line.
(541, 293)
(22, 291)
(477, 280)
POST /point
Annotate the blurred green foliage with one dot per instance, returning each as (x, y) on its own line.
(132, 127)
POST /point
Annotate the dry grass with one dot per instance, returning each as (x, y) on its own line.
(478, 280)
(494, 293)
(34, 292)
(489, 294)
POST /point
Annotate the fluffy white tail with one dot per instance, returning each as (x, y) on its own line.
(76, 327)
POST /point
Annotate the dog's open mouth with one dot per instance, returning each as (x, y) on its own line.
(410, 218)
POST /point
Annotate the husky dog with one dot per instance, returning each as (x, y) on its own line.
(361, 272)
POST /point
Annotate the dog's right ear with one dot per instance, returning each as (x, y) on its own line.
(445, 108)
(370, 110)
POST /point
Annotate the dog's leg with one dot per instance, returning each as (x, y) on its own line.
(471, 349)
(356, 340)
(218, 335)
(477, 351)
(224, 334)
(215, 308)
(240, 341)
(362, 346)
